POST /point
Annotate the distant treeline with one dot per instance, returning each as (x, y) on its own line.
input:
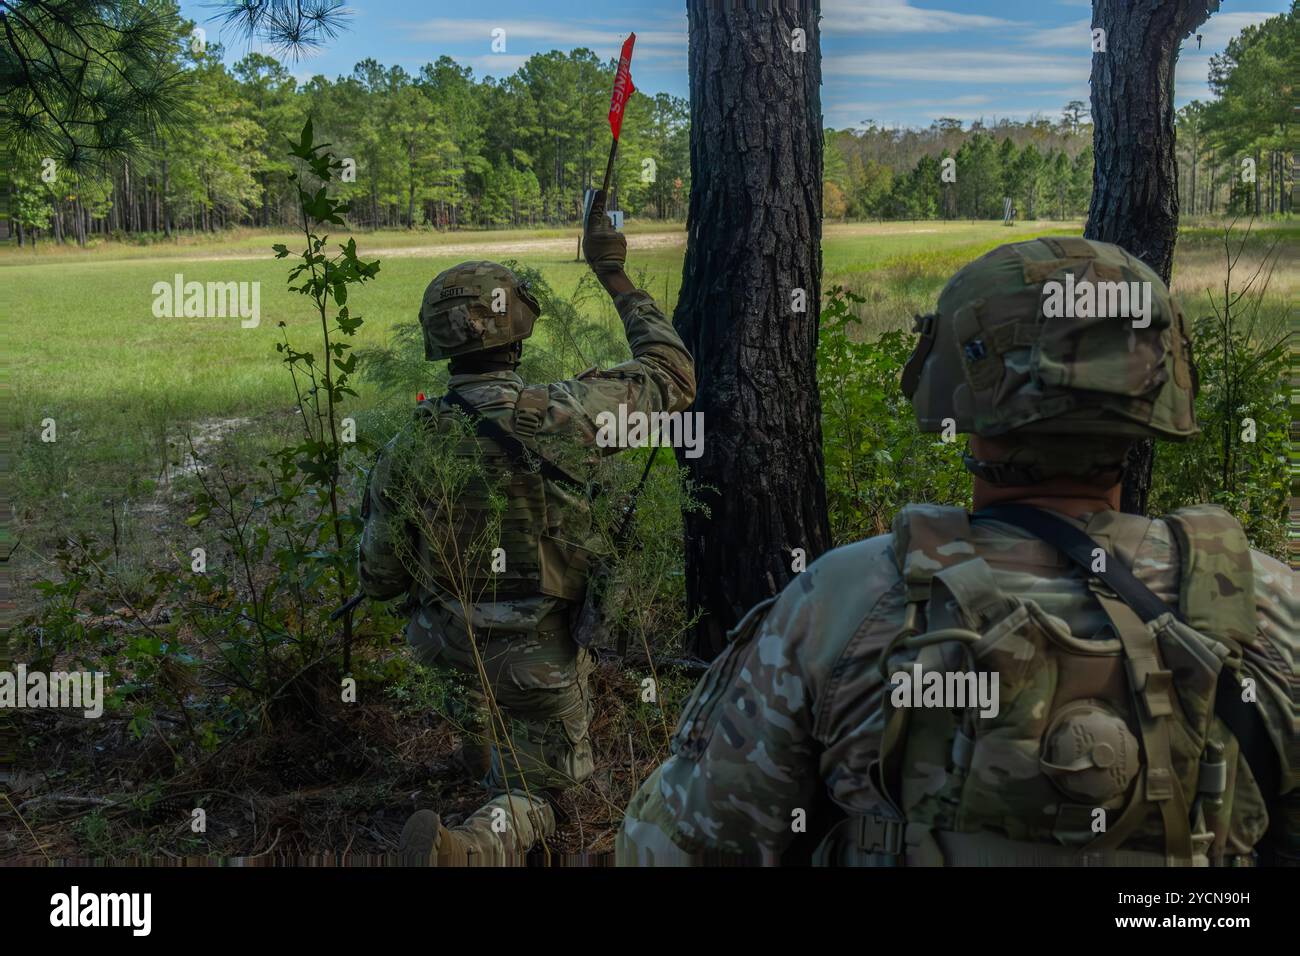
(444, 149)
(1044, 168)
(1233, 152)
(440, 149)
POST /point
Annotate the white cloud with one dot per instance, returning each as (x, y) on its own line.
(1076, 35)
(499, 65)
(867, 107)
(898, 16)
(536, 35)
(1222, 27)
(1215, 33)
(961, 67)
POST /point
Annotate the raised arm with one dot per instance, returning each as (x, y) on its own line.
(661, 374)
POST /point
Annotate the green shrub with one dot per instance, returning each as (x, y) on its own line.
(1239, 460)
(877, 460)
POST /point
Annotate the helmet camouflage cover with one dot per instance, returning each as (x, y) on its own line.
(1103, 352)
(475, 306)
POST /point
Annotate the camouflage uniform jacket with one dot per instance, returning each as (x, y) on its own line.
(791, 713)
(659, 377)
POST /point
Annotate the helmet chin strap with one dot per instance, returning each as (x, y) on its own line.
(1035, 463)
(503, 359)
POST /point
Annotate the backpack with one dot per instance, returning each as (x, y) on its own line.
(1029, 745)
(539, 557)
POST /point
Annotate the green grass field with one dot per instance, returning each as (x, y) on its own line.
(86, 350)
(86, 343)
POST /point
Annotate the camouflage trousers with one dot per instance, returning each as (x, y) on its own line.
(500, 832)
(539, 681)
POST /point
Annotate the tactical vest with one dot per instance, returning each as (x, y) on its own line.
(1100, 752)
(537, 554)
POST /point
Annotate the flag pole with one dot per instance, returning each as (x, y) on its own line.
(609, 167)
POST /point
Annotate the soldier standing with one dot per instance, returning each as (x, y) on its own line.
(1138, 676)
(507, 628)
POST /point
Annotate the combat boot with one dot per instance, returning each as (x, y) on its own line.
(499, 833)
(426, 842)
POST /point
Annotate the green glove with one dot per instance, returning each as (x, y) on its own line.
(603, 245)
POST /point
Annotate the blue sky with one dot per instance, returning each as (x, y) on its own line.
(897, 62)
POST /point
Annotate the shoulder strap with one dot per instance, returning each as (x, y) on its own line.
(1079, 548)
(1241, 718)
(513, 447)
(1216, 594)
(928, 539)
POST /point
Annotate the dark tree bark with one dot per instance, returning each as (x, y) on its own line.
(1135, 172)
(753, 247)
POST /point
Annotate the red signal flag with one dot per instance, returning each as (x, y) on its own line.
(623, 88)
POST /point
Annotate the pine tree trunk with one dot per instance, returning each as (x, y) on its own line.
(167, 206)
(1135, 174)
(753, 241)
(1259, 175)
(130, 203)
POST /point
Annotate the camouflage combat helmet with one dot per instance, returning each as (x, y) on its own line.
(1055, 337)
(475, 306)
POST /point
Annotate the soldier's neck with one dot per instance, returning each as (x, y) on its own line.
(476, 365)
(1063, 495)
(503, 358)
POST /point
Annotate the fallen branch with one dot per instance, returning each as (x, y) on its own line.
(67, 801)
